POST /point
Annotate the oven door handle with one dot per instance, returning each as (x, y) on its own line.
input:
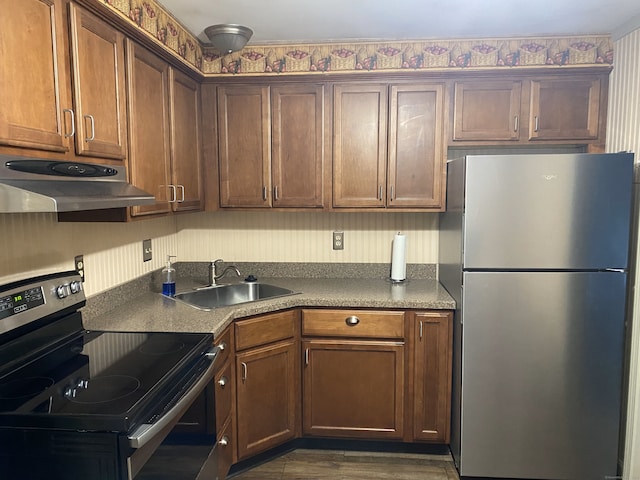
(146, 432)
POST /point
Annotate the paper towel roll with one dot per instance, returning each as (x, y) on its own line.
(398, 258)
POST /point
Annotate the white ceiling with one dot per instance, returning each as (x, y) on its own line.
(314, 21)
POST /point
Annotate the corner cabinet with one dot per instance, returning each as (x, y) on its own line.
(388, 149)
(267, 378)
(524, 110)
(271, 145)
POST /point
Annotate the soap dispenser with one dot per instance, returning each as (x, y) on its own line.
(169, 278)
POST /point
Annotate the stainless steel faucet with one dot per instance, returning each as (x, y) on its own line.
(214, 276)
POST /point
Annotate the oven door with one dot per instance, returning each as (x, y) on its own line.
(144, 440)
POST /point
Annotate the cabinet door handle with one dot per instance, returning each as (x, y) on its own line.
(275, 193)
(174, 194)
(380, 193)
(181, 187)
(264, 193)
(306, 356)
(537, 123)
(352, 321)
(244, 371)
(224, 441)
(222, 346)
(515, 123)
(93, 128)
(73, 123)
(391, 193)
(223, 381)
(421, 329)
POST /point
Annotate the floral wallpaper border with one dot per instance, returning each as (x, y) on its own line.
(350, 57)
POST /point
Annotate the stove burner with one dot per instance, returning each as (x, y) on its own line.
(106, 389)
(161, 346)
(24, 387)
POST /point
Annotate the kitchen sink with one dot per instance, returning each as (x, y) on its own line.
(232, 294)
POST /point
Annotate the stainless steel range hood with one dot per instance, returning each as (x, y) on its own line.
(34, 185)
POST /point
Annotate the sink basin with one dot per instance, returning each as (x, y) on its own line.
(234, 294)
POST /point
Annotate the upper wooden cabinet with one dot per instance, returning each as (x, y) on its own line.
(149, 128)
(388, 146)
(271, 145)
(34, 76)
(71, 109)
(567, 109)
(97, 59)
(552, 109)
(487, 110)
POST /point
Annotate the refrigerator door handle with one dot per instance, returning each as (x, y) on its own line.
(616, 270)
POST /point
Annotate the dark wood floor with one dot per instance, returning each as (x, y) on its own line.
(302, 464)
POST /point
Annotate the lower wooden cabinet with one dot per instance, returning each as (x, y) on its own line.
(268, 384)
(431, 380)
(353, 388)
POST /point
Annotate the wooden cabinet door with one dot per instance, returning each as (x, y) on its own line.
(244, 151)
(267, 380)
(186, 149)
(34, 99)
(297, 145)
(487, 110)
(359, 145)
(432, 356)
(565, 109)
(97, 58)
(416, 146)
(148, 113)
(353, 388)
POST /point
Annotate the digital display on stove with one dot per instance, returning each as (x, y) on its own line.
(20, 302)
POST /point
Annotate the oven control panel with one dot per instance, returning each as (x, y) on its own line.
(28, 300)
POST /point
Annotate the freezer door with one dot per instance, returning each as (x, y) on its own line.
(569, 211)
(541, 374)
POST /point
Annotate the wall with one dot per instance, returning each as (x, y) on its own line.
(35, 243)
(623, 132)
(305, 237)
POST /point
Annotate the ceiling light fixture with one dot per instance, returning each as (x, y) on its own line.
(227, 38)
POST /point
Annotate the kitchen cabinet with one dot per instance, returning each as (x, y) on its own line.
(388, 149)
(34, 96)
(99, 98)
(528, 110)
(70, 105)
(271, 145)
(164, 132)
(268, 385)
(353, 374)
(432, 337)
(149, 128)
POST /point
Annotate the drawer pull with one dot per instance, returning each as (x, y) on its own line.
(222, 382)
(222, 346)
(224, 441)
(352, 321)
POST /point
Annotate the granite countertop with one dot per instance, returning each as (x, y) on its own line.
(151, 311)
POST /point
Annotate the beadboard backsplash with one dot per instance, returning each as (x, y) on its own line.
(34, 244)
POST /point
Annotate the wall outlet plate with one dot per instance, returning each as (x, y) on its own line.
(146, 250)
(79, 263)
(338, 240)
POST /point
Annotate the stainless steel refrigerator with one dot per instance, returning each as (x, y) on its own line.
(534, 249)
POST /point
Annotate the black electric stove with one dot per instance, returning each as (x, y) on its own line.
(56, 377)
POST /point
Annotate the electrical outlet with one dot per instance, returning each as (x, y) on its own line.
(146, 250)
(79, 262)
(338, 240)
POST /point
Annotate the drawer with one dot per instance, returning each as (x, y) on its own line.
(353, 323)
(223, 396)
(224, 340)
(225, 451)
(265, 329)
